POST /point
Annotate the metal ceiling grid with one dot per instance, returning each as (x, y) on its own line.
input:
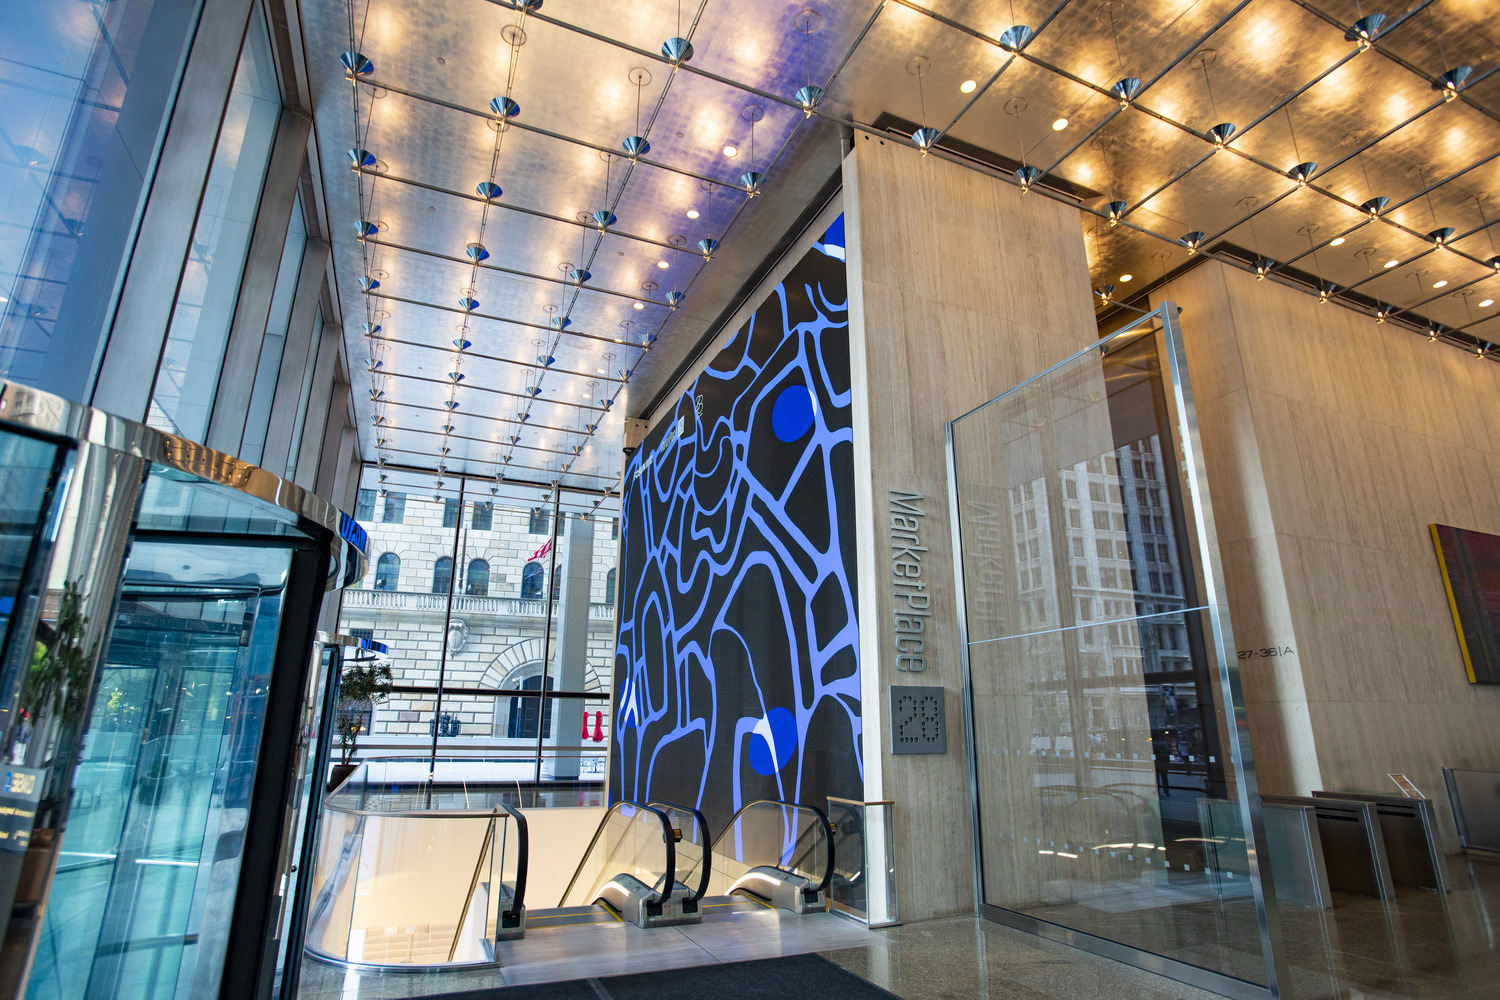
(1288, 73)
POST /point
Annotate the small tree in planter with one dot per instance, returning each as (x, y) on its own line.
(363, 684)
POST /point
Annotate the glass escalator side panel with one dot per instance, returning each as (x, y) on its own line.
(783, 835)
(631, 840)
(690, 830)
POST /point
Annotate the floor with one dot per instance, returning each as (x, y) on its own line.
(1423, 945)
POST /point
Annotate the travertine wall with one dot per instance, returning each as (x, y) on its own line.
(961, 286)
(1332, 443)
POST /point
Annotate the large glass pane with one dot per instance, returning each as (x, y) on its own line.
(85, 89)
(189, 375)
(146, 879)
(1108, 803)
(258, 420)
(532, 614)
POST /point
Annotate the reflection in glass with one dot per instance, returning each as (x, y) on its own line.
(1107, 803)
(188, 379)
(84, 93)
(146, 878)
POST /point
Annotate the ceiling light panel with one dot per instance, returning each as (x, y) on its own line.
(1048, 98)
(1082, 39)
(877, 80)
(1320, 118)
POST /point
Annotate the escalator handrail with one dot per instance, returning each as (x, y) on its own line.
(669, 876)
(523, 852)
(707, 847)
(823, 824)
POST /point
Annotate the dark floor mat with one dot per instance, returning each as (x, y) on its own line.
(767, 979)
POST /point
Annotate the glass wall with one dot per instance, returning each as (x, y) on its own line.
(1112, 796)
(85, 89)
(274, 345)
(497, 603)
(189, 375)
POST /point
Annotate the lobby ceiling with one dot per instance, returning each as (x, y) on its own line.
(552, 360)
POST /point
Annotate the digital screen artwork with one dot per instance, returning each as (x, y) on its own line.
(737, 664)
(1470, 561)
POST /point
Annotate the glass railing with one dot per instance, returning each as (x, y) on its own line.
(633, 840)
(690, 830)
(409, 877)
(793, 839)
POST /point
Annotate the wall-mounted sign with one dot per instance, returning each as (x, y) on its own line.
(908, 589)
(918, 722)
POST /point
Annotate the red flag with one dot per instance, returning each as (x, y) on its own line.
(540, 553)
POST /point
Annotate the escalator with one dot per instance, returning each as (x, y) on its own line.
(777, 853)
(413, 876)
(630, 870)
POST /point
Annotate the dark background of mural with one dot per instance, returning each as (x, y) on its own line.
(737, 662)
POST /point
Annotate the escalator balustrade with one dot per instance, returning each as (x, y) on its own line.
(629, 871)
(779, 853)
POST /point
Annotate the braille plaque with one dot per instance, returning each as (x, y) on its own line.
(918, 724)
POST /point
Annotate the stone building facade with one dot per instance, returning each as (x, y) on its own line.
(496, 633)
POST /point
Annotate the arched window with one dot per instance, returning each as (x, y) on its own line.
(524, 712)
(477, 580)
(387, 571)
(442, 575)
(609, 588)
(531, 581)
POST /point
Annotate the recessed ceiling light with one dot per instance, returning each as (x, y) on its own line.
(967, 87)
(1059, 125)
(599, 370)
(1486, 303)
(4, 298)
(1440, 284)
(692, 213)
(1337, 243)
(587, 396)
(640, 305)
(1127, 277)
(1391, 263)
(663, 264)
(730, 149)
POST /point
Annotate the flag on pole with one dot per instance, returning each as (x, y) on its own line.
(540, 553)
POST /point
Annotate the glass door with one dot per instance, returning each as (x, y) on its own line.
(147, 877)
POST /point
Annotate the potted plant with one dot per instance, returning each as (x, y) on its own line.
(363, 684)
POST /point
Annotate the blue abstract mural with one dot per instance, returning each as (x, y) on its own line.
(737, 664)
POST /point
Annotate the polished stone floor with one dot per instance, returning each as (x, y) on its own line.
(1422, 945)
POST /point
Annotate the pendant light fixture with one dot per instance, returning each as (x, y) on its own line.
(677, 50)
(636, 145)
(750, 179)
(810, 95)
(925, 136)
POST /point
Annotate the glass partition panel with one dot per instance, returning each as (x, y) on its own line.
(1113, 790)
(793, 838)
(400, 887)
(631, 840)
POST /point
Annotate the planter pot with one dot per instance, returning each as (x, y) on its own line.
(339, 773)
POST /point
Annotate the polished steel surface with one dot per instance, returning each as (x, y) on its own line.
(35, 410)
(555, 364)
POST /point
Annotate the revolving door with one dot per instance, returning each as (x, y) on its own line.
(157, 618)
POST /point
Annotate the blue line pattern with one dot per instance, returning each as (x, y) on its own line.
(737, 664)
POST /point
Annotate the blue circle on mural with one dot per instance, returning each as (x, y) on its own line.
(792, 416)
(773, 741)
